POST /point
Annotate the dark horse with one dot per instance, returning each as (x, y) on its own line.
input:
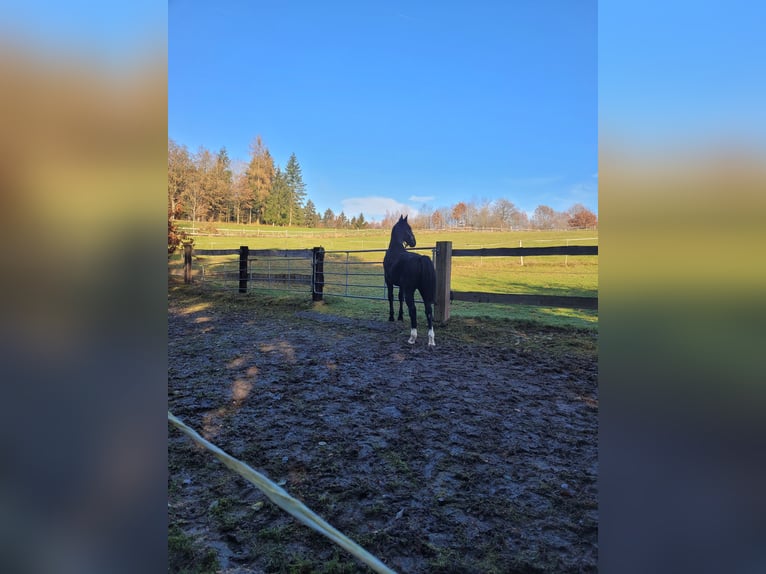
(409, 271)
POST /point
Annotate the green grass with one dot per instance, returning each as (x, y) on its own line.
(267, 237)
(551, 275)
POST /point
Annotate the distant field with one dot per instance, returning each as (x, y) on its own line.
(550, 275)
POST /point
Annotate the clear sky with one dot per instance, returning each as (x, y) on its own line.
(682, 74)
(390, 104)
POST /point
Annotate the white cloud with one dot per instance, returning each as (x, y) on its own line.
(422, 198)
(374, 207)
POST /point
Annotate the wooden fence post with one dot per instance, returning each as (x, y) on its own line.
(317, 274)
(443, 281)
(188, 262)
(244, 251)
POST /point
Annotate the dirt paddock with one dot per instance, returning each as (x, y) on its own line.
(478, 456)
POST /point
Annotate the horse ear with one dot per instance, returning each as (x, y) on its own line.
(406, 216)
(401, 218)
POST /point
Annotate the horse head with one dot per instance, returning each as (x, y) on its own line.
(402, 232)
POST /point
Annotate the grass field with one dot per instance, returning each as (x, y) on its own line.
(549, 275)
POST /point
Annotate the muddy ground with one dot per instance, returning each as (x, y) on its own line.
(478, 456)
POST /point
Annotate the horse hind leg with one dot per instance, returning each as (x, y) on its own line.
(410, 299)
(430, 317)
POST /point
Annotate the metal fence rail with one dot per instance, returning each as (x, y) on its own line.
(357, 274)
(263, 272)
(347, 273)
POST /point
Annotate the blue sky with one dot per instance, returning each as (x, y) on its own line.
(104, 32)
(682, 74)
(392, 104)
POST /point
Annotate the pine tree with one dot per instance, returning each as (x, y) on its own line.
(296, 187)
(328, 219)
(277, 206)
(310, 215)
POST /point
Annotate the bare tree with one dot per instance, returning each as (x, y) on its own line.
(505, 213)
(544, 217)
(180, 172)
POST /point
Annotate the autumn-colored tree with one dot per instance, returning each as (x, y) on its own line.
(436, 220)
(220, 186)
(459, 213)
(260, 178)
(581, 217)
(174, 235)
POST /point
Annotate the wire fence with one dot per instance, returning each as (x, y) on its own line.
(359, 273)
(355, 274)
(272, 273)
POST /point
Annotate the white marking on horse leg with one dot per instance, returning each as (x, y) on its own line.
(413, 336)
(431, 342)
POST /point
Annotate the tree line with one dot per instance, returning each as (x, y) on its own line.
(205, 186)
(499, 214)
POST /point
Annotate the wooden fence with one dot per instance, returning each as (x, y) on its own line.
(444, 294)
(314, 273)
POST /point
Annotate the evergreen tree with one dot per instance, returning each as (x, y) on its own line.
(310, 215)
(277, 206)
(328, 219)
(297, 189)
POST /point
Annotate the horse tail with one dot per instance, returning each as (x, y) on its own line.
(428, 274)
